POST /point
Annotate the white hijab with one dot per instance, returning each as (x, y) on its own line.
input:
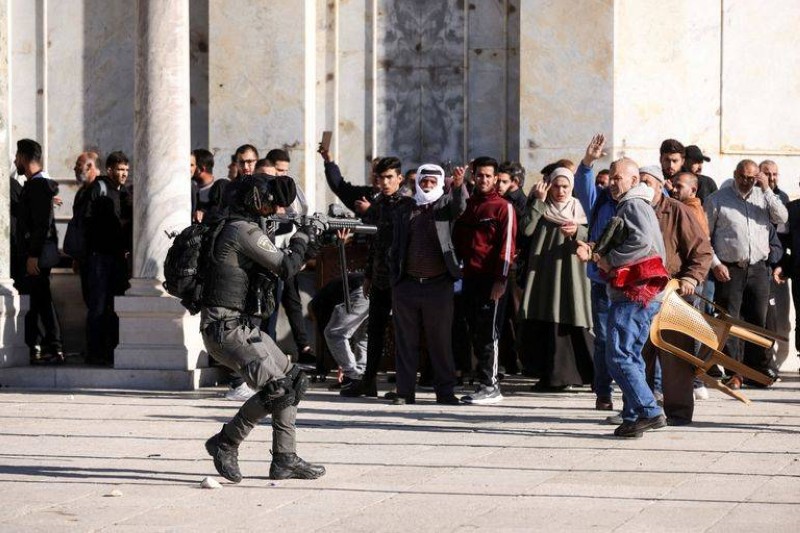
(568, 211)
(429, 171)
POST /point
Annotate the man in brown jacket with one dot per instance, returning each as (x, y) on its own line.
(689, 254)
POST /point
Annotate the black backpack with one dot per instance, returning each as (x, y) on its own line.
(185, 262)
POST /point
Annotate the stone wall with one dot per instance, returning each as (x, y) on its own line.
(425, 80)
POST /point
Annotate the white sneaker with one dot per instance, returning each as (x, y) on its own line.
(484, 395)
(700, 393)
(240, 393)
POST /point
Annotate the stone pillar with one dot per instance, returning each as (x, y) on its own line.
(13, 307)
(155, 330)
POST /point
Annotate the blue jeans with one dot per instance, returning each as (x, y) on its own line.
(628, 330)
(602, 379)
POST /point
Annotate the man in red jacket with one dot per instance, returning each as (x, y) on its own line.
(484, 240)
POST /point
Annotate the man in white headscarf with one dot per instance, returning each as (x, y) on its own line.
(423, 269)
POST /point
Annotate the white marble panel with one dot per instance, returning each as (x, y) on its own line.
(566, 77)
(487, 104)
(667, 76)
(25, 80)
(352, 140)
(761, 69)
(65, 95)
(256, 77)
(198, 66)
(108, 72)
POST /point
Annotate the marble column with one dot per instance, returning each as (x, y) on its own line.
(155, 330)
(13, 307)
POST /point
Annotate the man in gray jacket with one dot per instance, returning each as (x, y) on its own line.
(634, 265)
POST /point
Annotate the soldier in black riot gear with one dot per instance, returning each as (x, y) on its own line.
(242, 264)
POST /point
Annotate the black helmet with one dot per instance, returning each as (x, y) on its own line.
(260, 189)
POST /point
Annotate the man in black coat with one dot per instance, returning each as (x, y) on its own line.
(38, 232)
(108, 216)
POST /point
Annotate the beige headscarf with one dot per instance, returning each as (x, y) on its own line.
(570, 210)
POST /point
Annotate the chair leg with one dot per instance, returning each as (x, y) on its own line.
(715, 384)
(739, 368)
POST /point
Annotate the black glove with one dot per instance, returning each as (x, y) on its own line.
(313, 228)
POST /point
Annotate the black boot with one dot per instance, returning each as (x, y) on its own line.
(226, 456)
(290, 466)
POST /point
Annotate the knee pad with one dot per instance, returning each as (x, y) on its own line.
(299, 383)
(277, 395)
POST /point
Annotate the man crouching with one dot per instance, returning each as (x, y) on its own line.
(242, 267)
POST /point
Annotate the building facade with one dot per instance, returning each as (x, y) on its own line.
(425, 80)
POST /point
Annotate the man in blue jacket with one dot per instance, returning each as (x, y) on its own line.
(601, 205)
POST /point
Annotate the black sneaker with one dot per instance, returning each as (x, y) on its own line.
(290, 466)
(226, 457)
(484, 395)
(364, 387)
(448, 399)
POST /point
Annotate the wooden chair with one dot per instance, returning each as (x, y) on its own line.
(677, 315)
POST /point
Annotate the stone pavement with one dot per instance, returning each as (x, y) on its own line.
(534, 462)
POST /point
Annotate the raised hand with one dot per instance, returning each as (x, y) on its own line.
(540, 190)
(458, 176)
(595, 149)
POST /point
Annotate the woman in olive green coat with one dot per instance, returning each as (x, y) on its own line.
(556, 311)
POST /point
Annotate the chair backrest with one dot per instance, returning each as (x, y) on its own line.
(678, 315)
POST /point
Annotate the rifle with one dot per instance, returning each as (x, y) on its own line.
(325, 223)
(328, 224)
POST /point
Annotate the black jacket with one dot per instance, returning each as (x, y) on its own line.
(108, 218)
(37, 221)
(445, 212)
(345, 191)
(381, 214)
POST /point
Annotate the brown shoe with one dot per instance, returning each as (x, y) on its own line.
(735, 383)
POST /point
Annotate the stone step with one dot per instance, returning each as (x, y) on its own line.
(94, 377)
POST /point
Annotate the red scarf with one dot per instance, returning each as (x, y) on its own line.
(640, 281)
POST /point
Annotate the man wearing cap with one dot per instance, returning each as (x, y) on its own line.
(688, 253)
(424, 267)
(694, 164)
(739, 219)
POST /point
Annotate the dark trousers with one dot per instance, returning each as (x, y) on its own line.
(796, 301)
(106, 277)
(746, 296)
(424, 309)
(481, 312)
(677, 376)
(462, 347)
(380, 309)
(41, 322)
(508, 325)
(290, 299)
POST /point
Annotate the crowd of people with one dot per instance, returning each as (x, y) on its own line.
(481, 279)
